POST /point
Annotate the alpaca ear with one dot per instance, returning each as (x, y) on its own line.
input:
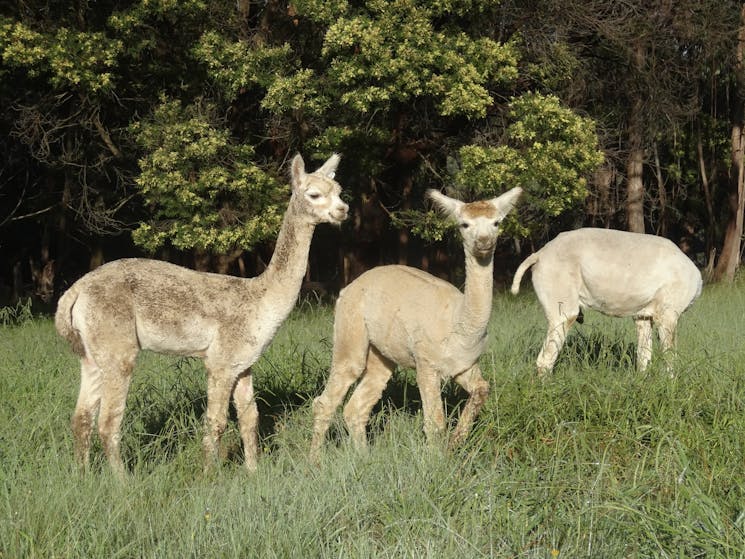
(506, 202)
(449, 206)
(297, 171)
(329, 168)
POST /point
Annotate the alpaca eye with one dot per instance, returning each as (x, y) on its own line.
(496, 224)
(464, 225)
(314, 196)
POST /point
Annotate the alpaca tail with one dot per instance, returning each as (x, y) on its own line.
(527, 263)
(63, 320)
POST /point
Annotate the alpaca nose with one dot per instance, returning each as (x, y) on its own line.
(484, 242)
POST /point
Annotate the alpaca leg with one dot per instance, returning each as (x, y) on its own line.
(367, 393)
(429, 389)
(86, 410)
(115, 386)
(666, 327)
(351, 347)
(248, 418)
(555, 337)
(478, 389)
(324, 406)
(219, 387)
(643, 343)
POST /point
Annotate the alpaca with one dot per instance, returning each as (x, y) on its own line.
(397, 315)
(113, 312)
(617, 273)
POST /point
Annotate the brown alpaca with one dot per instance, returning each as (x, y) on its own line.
(113, 312)
(397, 315)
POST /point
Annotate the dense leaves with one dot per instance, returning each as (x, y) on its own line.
(165, 124)
(203, 191)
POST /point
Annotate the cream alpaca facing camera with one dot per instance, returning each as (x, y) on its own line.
(617, 273)
(396, 315)
(113, 312)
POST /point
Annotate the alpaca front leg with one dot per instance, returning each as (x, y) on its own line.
(434, 415)
(478, 389)
(666, 327)
(219, 387)
(248, 418)
(643, 343)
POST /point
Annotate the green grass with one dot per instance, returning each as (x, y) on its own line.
(598, 461)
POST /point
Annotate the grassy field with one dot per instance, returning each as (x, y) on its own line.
(598, 461)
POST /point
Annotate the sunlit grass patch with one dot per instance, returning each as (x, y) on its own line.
(597, 460)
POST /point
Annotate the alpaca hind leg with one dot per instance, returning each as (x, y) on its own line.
(643, 343)
(248, 418)
(367, 393)
(478, 389)
(86, 410)
(324, 406)
(558, 326)
(351, 347)
(114, 391)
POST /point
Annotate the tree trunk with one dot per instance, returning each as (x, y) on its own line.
(599, 206)
(635, 186)
(705, 185)
(662, 194)
(403, 233)
(635, 163)
(730, 257)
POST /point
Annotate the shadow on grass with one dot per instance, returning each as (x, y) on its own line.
(402, 395)
(594, 349)
(164, 413)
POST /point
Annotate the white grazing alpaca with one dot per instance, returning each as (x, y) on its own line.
(113, 312)
(617, 273)
(396, 315)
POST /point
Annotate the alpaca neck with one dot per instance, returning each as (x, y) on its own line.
(477, 297)
(284, 275)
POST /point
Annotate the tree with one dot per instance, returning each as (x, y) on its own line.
(729, 260)
(72, 79)
(405, 86)
(660, 79)
(173, 120)
(203, 191)
(63, 153)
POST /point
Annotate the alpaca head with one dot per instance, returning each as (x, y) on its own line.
(316, 194)
(478, 222)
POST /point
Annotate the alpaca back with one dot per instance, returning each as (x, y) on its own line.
(399, 327)
(160, 306)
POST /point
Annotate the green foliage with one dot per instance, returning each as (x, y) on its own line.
(555, 68)
(377, 56)
(549, 151)
(17, 314)
(71, 59)
(204, 191)
(429, 225)
(391, 52)
(235, 65)
(379, 60)
(158, 36)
